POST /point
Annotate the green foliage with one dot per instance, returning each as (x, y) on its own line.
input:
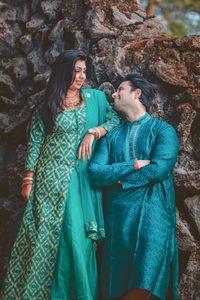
(182, 17)
(177, 27)
(183, 5)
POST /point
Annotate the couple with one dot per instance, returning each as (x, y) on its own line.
(54, 256)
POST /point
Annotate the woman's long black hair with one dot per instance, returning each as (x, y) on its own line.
(62, 76)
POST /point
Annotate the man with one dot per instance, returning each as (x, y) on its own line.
(136, 159)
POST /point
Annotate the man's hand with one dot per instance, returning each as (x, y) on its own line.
(86, 146)
(142, 163)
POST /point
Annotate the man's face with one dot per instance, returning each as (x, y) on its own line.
(124, 96)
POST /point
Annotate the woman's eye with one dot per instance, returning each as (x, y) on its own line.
(78, 71)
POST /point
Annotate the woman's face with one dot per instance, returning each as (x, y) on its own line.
(79, 75)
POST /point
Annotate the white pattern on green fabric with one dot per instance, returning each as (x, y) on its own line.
(94, 232)
(53, 159)
(34, 253)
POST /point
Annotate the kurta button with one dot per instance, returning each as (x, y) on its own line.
(88, 95)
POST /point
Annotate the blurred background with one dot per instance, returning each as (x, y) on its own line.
(181, 17)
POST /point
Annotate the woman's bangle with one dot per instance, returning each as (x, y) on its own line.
(27, 183)
(92, 131)
(98, 133)
(28, 178)
(95, 131)
(102, 131)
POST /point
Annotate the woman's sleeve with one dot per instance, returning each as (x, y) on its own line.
(164, 156)
(101, 172)
(111, 117)
(35, 141)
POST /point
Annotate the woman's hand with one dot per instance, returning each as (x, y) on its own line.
(142, 163)
(86, 146)
(26, 190)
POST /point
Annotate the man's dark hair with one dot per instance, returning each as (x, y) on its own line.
(139, 82)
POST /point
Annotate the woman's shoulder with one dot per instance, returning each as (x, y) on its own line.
(88, 92)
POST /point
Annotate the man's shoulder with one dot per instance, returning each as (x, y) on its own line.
(161, 125)
(113, 131)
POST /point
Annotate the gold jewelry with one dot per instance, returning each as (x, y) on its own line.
(26, 184)
(73, 97)
(96, 132)
(92, 131)
(28, 178)
(72, 104)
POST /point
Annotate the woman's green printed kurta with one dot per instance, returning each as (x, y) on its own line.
(53, 158)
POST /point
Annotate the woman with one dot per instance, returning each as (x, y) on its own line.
(54, 255)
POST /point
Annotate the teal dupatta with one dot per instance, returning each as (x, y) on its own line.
(91, 205)
(92, 197)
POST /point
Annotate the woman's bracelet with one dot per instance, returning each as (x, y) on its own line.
(28, 178)
(26, 184)
(93, 132)
(96, 132)
(102, 131)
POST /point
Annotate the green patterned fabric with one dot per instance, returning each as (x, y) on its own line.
(53, 158)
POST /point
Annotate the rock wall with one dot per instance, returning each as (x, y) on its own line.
(118, 38)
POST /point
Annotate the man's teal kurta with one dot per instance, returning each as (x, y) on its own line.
(141, 247)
